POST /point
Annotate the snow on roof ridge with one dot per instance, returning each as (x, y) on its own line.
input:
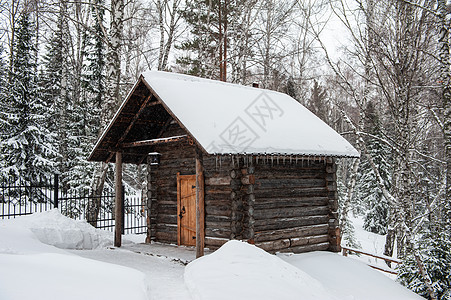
(192, 78)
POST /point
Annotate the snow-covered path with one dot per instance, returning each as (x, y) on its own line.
(164, 274)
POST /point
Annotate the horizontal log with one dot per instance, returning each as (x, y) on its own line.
(266, 203)
(218, 181)
(213, 222)
(217, 189)
(218, 211)
(298, 174)
(290, 212)
(166, 237)
(309, 240)
(158, 141)
(307, 248)
(289, 183)
(166, 219)
(283, 223)
(167, 201)
(218, 202)
(167, 209)
(218, 232)
(290, 193)
(166, 227)
(273, 246)
(224, 196)
(296, 232)
(215, 242)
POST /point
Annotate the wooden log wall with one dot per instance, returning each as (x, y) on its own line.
(292, 205)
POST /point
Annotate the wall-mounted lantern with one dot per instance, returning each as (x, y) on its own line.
(154, 158)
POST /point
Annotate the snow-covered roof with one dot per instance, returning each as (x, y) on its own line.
(228, 118)
(221, 118)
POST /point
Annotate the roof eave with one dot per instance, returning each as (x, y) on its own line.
(105, 131)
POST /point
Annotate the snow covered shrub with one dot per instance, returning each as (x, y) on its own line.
(435, 249)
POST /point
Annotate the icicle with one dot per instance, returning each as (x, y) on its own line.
(220, 161)
(291, 159)
(272, 160)
(284, 159)
(296, 159)
(216, 165)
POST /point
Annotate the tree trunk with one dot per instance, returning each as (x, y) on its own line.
(445, 75)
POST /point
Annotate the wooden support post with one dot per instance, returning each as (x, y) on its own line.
(200, 205)
(149, 200)
(119, 201)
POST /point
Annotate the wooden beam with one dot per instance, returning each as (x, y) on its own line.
(200, 205)
(119, 201)
(155, 141)
(135, 118)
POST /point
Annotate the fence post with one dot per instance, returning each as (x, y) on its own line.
(55, 191)
(123, 210)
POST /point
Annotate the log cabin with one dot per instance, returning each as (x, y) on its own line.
(226, 161)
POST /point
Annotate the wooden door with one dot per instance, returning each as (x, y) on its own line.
(186, 210)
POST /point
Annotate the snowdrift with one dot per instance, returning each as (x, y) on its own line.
(239, 270)
(52, 228)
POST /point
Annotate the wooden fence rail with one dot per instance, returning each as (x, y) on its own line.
(345, 251)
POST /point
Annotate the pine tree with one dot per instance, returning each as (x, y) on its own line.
(209, 44)
(26, 147)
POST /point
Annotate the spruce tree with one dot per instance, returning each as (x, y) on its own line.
(376, 217)
(3, 105)
(26, 147)
(90, 105)
(435, 250)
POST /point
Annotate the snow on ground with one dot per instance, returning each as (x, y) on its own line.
(31, 267)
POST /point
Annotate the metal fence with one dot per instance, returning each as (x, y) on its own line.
(20, 197)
